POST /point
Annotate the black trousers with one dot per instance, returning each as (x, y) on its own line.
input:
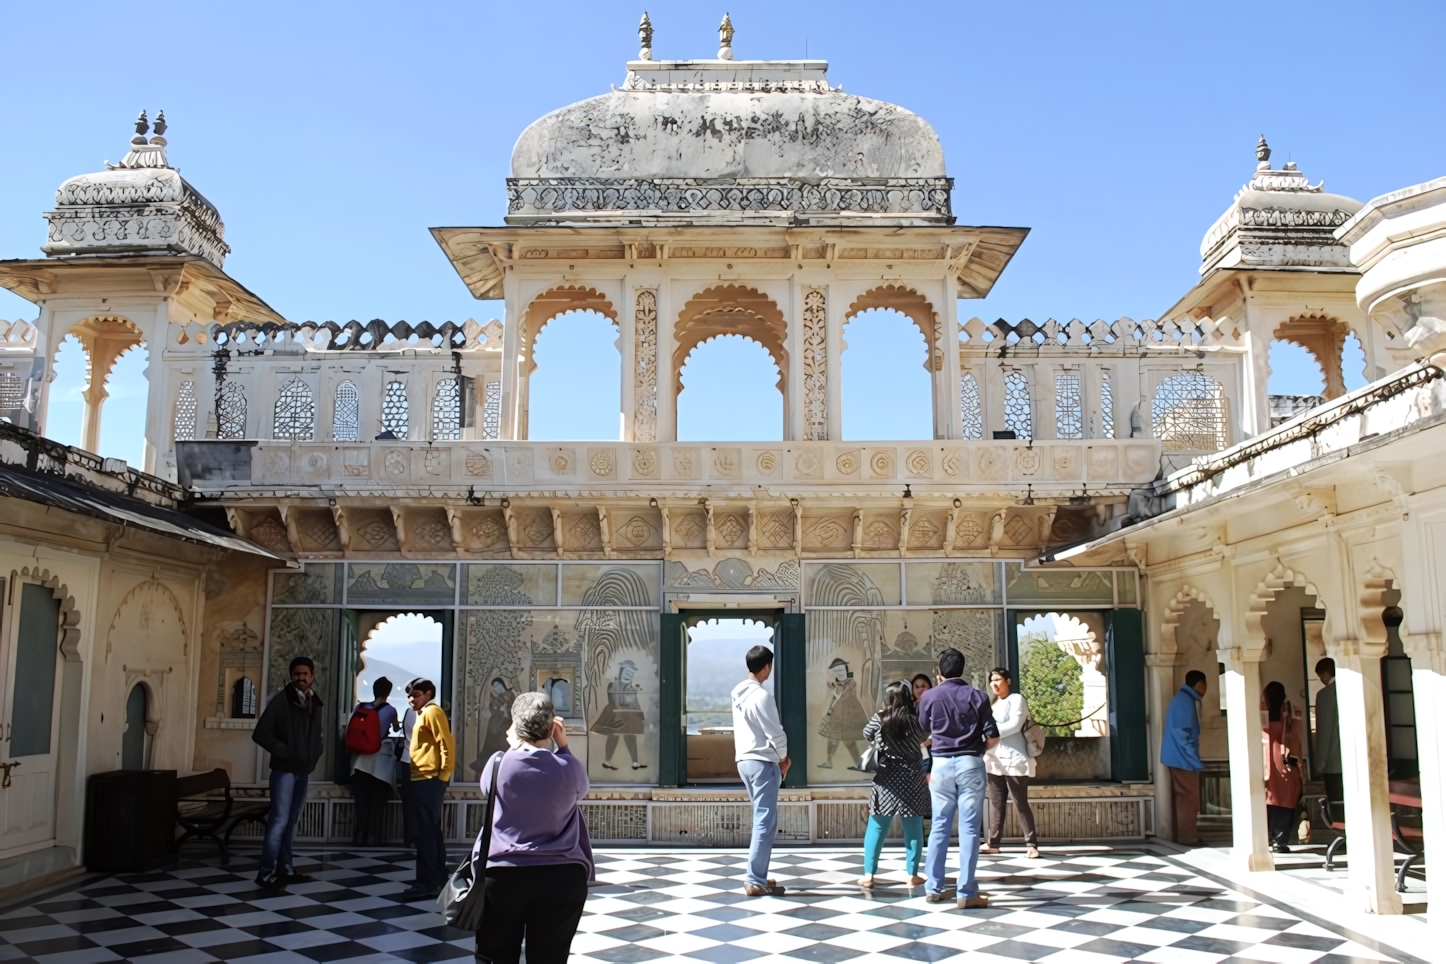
(368, 819)
(431, 845)
(539, 904)
(1279, 820)
(1018, 788)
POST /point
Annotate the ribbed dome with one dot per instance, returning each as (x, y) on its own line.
(761, 124)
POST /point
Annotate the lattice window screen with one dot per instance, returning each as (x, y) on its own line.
(1189, 413)
(295, 414)
(346, 413)
(185, 412)
(492, 411)
(1068, 406)
(1018, 411)
(1107, 406)
(970, 408)
(394, 409)
(447, 411)
(231, 412)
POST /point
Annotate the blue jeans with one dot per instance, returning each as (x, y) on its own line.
(874, 841)
(956, 783)
(762, 781)
(288, 796)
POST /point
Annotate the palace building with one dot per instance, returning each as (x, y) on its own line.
(1102, 506)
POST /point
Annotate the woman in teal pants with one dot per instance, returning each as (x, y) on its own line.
(900, 786)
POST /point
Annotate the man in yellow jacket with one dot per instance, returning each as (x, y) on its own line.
(434, 756)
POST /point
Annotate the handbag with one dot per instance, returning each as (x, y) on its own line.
(464, 895)
(869, 759)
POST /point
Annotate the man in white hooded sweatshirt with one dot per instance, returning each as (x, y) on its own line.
(761, 749)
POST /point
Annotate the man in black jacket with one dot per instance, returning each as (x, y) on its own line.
(290, 730)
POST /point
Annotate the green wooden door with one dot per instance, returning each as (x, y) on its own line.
(1129, 740)
(672, 725)
(790, 663)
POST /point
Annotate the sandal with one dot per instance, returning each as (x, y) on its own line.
(916, 881)
(1032, 853)
(989, 850)
(867, 881)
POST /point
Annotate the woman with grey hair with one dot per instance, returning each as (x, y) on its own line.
(540, 857)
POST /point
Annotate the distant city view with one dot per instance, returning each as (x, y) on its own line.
(716, 652)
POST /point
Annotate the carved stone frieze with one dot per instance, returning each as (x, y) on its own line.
(815, 365)
(645, 367)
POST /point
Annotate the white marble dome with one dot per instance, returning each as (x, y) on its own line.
(763, 124)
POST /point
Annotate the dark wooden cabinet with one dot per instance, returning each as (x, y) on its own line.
(130, 820)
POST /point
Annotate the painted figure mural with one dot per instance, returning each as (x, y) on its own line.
(844, 719)
(622, 717)
(499, 721)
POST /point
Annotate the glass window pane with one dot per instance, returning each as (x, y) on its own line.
(1403, 709)
(610, 585)
(502, 584)
(1126, 587)
(37, 647)
(403, 583)
(1398, 675)
(1048, 587)
(1062, 671)
(853, 584)
(952, 583)
(316, 583)
(1403, 743)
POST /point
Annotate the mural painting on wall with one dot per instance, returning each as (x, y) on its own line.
(594, 663)
(402, 582)
(853, 653)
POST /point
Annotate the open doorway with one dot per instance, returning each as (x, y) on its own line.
(402, 647)
(714, 666)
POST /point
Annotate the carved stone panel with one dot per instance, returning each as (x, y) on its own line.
(815, 365)
(645, 361)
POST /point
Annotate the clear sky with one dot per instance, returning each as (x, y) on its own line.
(331, 136)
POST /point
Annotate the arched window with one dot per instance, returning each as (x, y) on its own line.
(136, 741)
(186, 412)
(295, 414)
(394, 409)
(1018, 411)
(1188, 413)
(1068, 406)
(346, 413)
(970, 408)
(231, 412)
(887, 388)
(1107, 406)
(730, 391)
(576, 390)
(447, 411)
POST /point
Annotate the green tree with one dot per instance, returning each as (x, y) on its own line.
(1050, 682)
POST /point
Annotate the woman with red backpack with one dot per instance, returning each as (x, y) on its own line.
(373, 764)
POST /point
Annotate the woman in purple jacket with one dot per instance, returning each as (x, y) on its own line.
(540, 859)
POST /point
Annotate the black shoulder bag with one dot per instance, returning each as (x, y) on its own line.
(464, 896)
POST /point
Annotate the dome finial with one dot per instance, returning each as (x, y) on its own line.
(645, 37)
(725, 39)
(1262, 154)
(160, 125)
(142, 125)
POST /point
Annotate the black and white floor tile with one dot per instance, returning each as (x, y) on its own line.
(1075, 905)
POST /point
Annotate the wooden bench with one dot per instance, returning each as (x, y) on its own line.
(202, 813)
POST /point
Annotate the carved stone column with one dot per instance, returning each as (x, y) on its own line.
(645, 366)
(814, 391)
(1428, 680)
(1160, 690)
(1251, 847)
(1371, 866)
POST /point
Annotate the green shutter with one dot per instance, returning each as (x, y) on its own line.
(343, 693)
(1129, 747)
(672, 742)
(790, 661)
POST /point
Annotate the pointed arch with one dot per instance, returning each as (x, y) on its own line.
(346, 413)
(294, 415)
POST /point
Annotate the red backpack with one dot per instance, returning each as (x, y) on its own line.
(364, 731)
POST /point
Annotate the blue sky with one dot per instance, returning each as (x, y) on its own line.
(331, 136)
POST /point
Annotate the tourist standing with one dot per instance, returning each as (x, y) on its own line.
(1008, 764)
(1327, 760)
(922, 683)
(372, 773)
(404, 771)
(900, 787)
(434, 755)
(1180, 754)
(540, 855)
(961, 726)
(290, 730)
(761, 748)
(1284, 783)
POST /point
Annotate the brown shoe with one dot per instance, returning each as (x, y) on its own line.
(972, 903)
(770, 890)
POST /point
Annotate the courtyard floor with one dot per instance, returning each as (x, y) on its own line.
(1077, 904)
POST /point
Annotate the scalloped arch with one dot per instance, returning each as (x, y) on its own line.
(69, 615)
(1280, 578)
(730, 310)
(914, 306)
(1175, 611)
(555, 302)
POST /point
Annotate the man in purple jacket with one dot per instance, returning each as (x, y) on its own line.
(958, 719)
(540, 857)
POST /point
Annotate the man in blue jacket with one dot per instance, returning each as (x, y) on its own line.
(1180, 753)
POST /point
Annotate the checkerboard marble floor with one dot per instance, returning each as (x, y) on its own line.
(1079, 904)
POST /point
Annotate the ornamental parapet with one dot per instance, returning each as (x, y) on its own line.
(1056, 468)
